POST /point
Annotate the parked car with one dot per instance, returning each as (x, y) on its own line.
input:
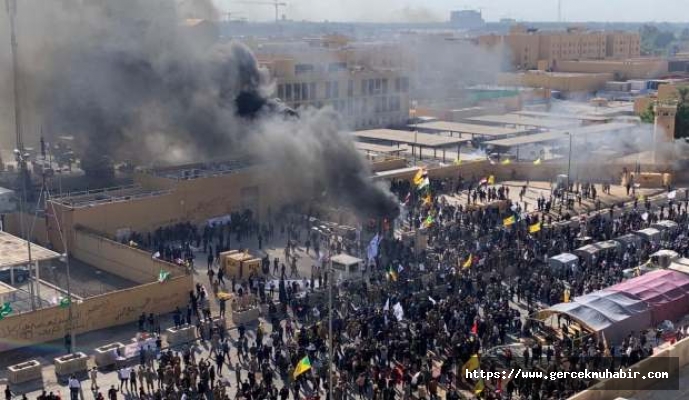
(21, 275)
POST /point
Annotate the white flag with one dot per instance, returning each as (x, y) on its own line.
(400, 268)
(156, 255)
(398, 311)
(387, 305)
(672, 195)
(432, 300)
(644, 216)
(373, 248)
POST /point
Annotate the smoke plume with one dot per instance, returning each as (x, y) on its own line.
(130, 79)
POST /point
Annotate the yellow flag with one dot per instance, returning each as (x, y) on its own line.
(420, 174)
(468, 261)
(505, 161)
(535, 227)
(566, 296)
(537, 162)
(509, 221)
(427, 200)
(472, 364)
(491, 180)
(303, 366)
(480, 385)
(458, 162)
(641, 197)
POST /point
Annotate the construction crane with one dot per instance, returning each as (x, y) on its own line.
(274, 3)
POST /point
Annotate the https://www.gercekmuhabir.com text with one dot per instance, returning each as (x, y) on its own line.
(516, 373)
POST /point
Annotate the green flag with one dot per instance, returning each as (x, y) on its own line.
(163, 276)
(5, 310)
(65, 302)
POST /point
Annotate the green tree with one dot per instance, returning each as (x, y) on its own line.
(684, 36)
(682, 118)
(649, 115)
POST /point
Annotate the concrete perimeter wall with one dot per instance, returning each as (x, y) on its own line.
(100, 312)
(119, 259)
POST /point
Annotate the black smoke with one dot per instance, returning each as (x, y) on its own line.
(132, 80)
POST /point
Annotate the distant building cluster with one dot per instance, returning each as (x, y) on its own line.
(365, 85)
(529, 46)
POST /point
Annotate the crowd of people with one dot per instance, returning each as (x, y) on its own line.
(414, 319)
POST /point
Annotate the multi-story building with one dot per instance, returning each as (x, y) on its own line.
(367, 91)
(528, 46)
(467, 19)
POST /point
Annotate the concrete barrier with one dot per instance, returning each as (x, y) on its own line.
(24, 372)
(71, 364)
(176, 337)
(107, 355)
(246, 316)
(206, 325)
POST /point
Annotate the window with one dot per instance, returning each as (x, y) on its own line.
(297, 92)
(405, 85)
(305, 91)
(350, 88)
(336, 89)
(378, 85)
(371, 86)
(397, 85)
(335, 67)
(281, 91)
(303, 68)
(364, 86)
(288, 92)
(385, 86)
(312, 90)
(328, 90)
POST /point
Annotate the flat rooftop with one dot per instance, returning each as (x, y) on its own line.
(520, 120)
(579, 117)
(6, 289)
(410, 138)
(379, 148)
(202, 170)
(92, 198)
(345, 259)
(552, 136)
(473, 129)
(395, 173)
(14, 251)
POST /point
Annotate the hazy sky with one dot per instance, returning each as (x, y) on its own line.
(438, 10)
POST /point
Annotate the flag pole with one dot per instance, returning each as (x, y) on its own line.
(330, 322)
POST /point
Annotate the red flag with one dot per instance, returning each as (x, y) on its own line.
(499, 388)
(474, 328)
(406, 199)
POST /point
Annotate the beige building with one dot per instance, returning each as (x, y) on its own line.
(639, 68)
(527, 46)
(362, 84)
(565, 82)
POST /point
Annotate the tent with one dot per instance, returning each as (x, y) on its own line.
(613, 313)
(651, 235)
(598, 249)
(666, 291)
(666, 225)
(564, 261)
(663, 258)
(630, 238)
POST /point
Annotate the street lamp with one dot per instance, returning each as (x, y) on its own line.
(569, 168)
(330, 323)
(21, 159)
